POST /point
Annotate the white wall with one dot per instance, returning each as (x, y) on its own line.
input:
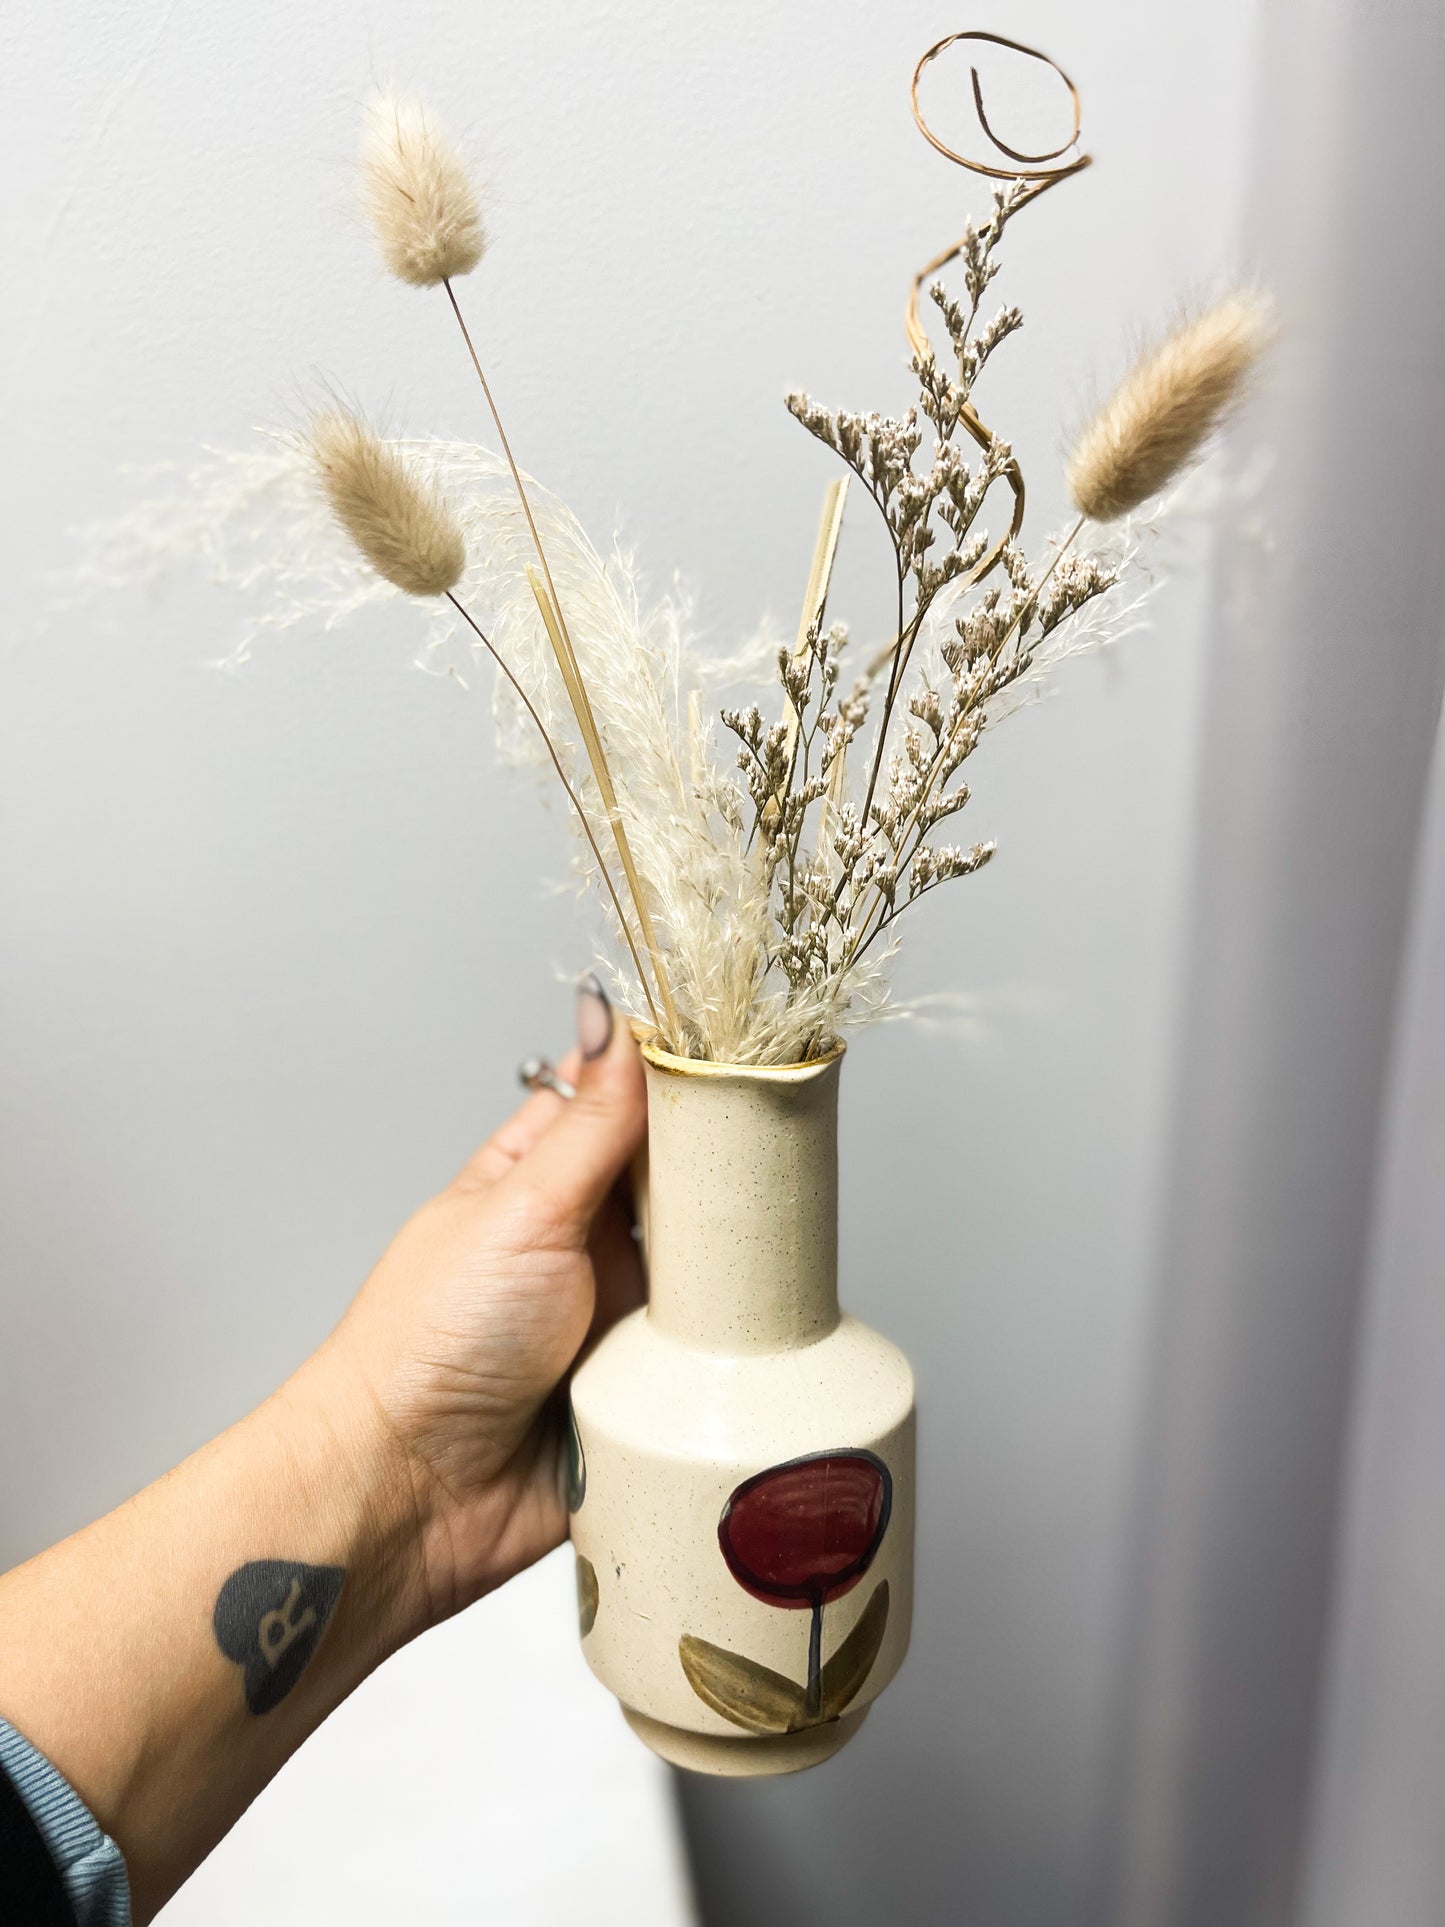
(274, 943)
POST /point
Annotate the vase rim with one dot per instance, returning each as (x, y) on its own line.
(665, 1060)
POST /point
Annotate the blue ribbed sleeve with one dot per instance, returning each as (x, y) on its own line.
(87, 1860)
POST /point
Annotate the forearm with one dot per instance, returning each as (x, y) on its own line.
(170, 1658)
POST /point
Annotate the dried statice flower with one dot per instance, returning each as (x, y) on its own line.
(874, 854)
(1159, 416)
(418, 195)
(400, 522)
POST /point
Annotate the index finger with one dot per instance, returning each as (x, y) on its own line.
(527, 1125)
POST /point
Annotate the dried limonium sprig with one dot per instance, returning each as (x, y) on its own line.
(760, 910)
(871, 863)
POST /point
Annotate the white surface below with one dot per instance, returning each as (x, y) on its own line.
(481, 1775)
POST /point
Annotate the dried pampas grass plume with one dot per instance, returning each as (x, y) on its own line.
(1165, 407)
(417, 194)
(400, 523)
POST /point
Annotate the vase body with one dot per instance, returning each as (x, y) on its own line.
(741, 1482)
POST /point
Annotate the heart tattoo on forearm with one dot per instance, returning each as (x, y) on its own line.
(269, 1618)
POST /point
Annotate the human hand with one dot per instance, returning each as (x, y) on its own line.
(411, 1464)
(461, 1338)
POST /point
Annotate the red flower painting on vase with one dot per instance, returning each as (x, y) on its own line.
(798, 1536)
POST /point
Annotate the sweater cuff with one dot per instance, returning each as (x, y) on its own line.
(88, 1861)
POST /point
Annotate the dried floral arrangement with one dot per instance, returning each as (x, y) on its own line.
(754, 910)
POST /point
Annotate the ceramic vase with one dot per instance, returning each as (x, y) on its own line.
(741, 1478)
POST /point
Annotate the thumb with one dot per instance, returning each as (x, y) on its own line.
(575, 1163)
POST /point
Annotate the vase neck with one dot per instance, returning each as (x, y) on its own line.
(743, 1204)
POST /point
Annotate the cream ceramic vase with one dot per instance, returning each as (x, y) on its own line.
(742, 1453)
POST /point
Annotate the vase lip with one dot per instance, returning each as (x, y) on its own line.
(702, 1067)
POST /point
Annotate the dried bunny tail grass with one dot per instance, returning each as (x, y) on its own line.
(417, 194)
(400, 523)
(1165, 407)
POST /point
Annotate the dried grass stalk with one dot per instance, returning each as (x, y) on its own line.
(820, 574)
(815, 601)
(601, 775)
(417, 195)
(1159, 416)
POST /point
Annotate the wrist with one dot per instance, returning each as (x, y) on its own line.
(366, 1489)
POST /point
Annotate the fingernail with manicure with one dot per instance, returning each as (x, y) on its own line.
(594, 1017)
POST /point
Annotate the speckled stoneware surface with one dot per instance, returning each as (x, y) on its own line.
(742, 1458)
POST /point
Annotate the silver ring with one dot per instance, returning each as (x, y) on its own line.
(538, 1075)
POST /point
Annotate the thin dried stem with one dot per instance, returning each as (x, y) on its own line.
(815, 601)
(820, 574)
(592, 741)
(901, 650)
(576, 801)
(577, 692)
